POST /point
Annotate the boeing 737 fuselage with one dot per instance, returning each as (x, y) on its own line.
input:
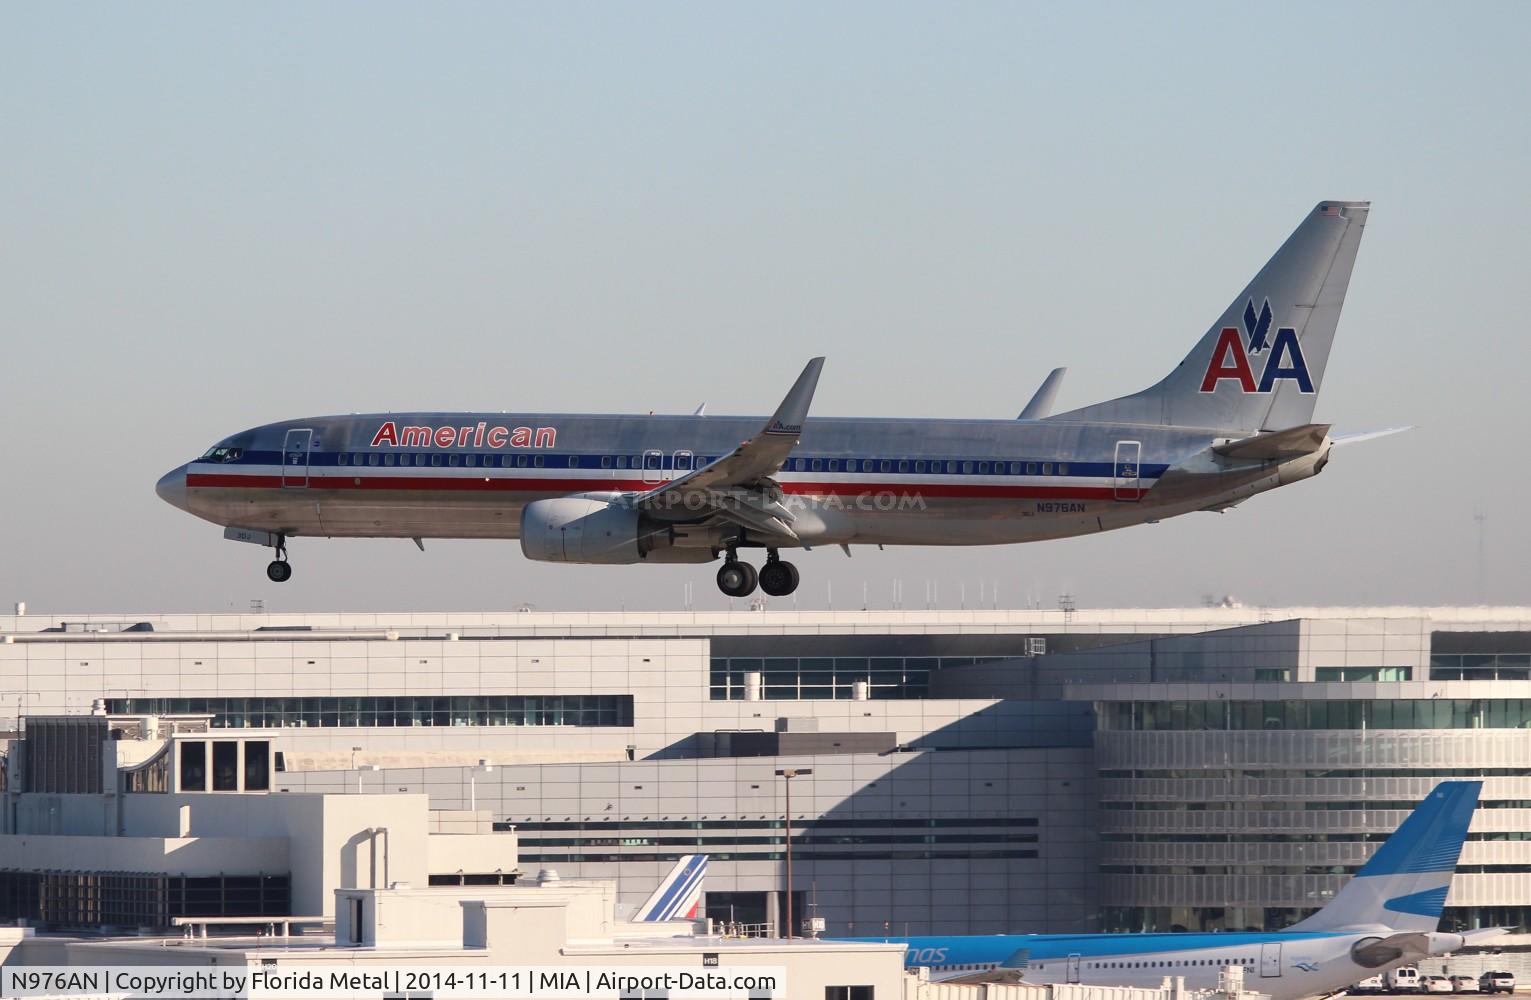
(1232, 420)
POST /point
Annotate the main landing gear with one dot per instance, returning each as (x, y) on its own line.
(279, 570)
(739, 579)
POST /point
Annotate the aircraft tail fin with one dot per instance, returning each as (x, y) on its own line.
(679, 893)
(1403, 887)
(1261, 364)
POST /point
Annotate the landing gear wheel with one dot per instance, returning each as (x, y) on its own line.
(279, 571)
(778, 578)
(737, 579)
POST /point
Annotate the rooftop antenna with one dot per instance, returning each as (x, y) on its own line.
(1480, 519)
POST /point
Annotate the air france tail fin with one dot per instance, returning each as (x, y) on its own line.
(679, 894)
(1261, 364)
(1403, 887)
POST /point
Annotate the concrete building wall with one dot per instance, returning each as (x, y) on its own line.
(170, 855)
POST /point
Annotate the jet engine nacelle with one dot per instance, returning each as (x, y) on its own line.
(600, 530)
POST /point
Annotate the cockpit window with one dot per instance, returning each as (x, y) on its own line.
(220, 453)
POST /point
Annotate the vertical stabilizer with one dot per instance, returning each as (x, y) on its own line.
(1403, 887)
(679, 894)
(1260, 366)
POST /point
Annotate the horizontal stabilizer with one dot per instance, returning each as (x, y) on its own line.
(1360, 436)
(1042, 400)
(1290, 443)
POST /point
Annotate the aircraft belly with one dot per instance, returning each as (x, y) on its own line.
(944, 521)
(344, 514)
(423, 515)
(880, 519)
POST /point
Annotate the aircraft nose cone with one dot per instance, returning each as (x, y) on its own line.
(172, 487)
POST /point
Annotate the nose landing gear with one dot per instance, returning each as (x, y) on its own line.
(279, 570)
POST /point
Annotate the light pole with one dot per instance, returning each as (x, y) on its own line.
(484, 767)
(788, 774)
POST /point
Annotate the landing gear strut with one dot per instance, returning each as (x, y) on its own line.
(735, 578)
(777, 578)
(279, 570)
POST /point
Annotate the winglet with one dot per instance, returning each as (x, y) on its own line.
(789, 416)
(1042, 401)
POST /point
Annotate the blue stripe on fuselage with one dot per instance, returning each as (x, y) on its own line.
(591, 462)
(998, 949)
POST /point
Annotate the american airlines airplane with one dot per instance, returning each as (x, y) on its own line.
(1384, 917)
(1231, 420)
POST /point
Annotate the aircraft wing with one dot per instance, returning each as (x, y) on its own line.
(738, 485)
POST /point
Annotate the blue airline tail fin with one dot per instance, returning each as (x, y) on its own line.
(679, 893)
(1403, 886)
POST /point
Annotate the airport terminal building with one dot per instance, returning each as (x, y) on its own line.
(957, 771)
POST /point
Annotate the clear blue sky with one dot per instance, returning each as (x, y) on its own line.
(214, 216)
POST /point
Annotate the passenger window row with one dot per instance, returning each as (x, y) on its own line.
(657, 463)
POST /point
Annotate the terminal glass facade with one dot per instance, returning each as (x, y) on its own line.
(796, 678)
(461, 710)
(1434, 713)
(921, 839)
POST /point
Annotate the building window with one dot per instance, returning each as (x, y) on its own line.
(225, 766)
(403, 711)
(193, 766)
(257, 766)
(848, 993)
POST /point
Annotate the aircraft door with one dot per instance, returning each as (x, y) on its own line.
(1073, 969)
(1270, 959)
(653, 466)
(1126, 477)
(295, 457)
(681, 463)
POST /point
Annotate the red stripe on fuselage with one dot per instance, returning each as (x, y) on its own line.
(497, 484)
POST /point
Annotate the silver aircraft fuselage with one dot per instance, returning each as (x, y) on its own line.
(1232, 419)
(848, 481)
